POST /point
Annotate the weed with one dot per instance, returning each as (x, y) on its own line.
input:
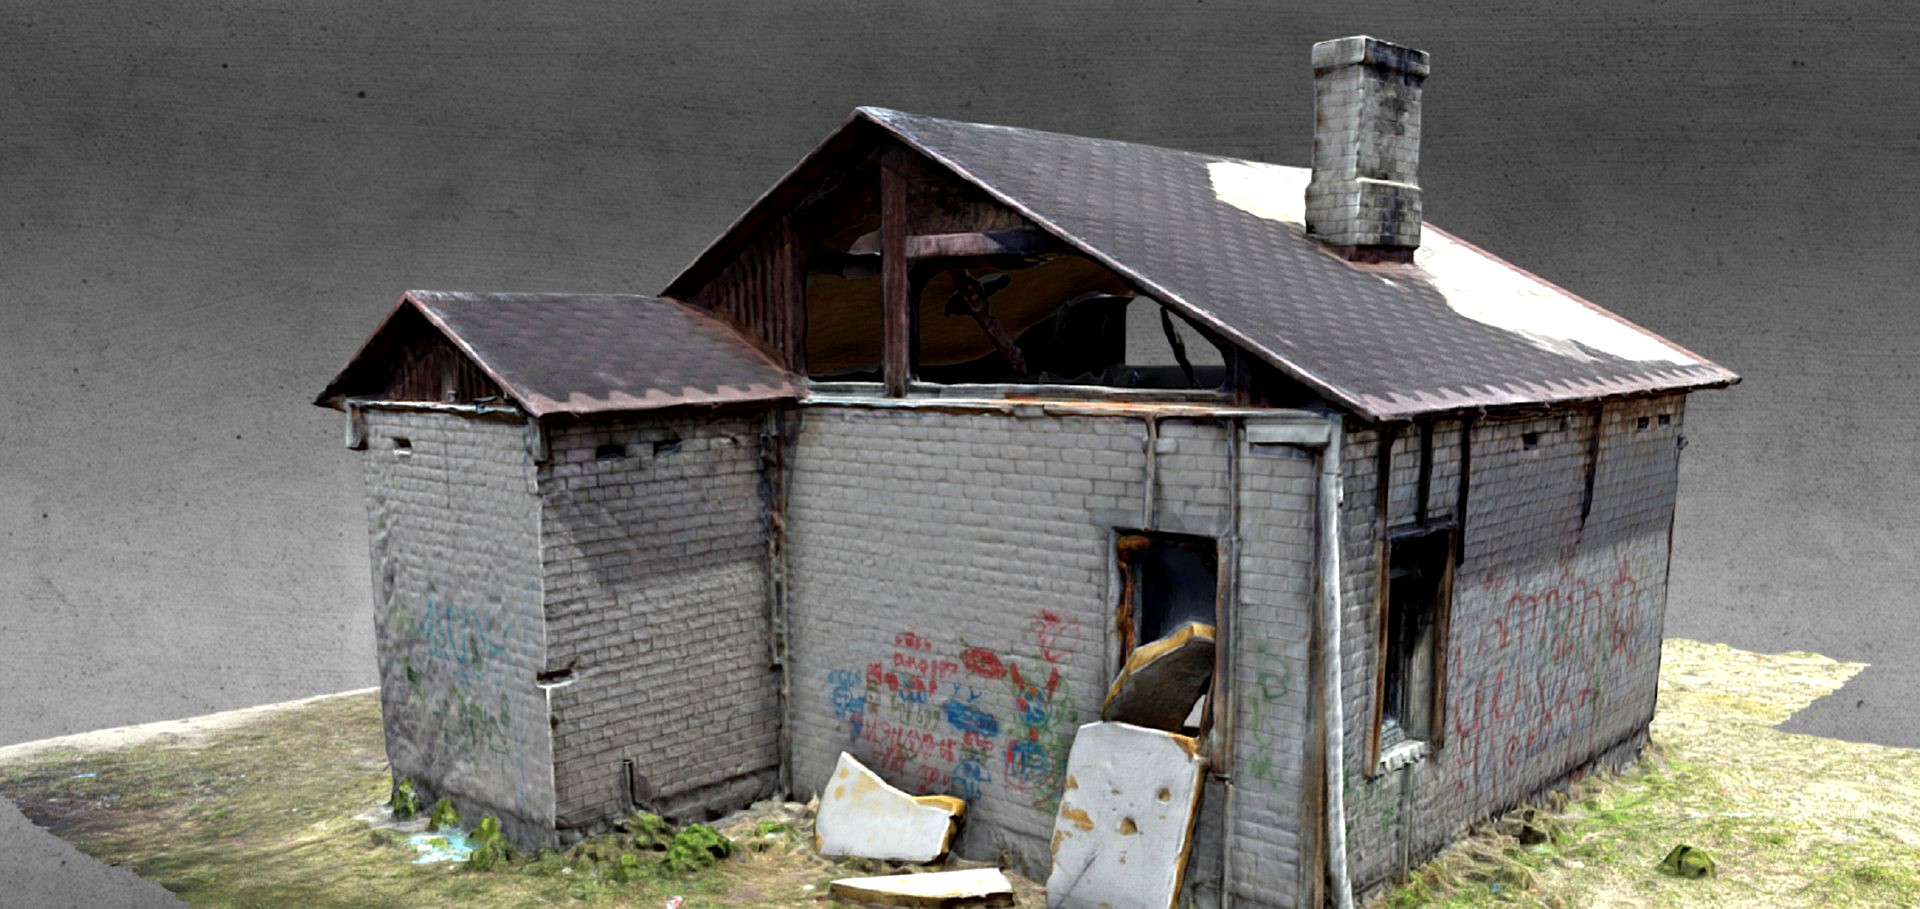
(443, 815)
(697, 847)
(405, 802)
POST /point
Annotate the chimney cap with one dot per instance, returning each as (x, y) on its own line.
(1371, 51)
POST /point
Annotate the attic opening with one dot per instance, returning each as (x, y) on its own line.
(993, 299)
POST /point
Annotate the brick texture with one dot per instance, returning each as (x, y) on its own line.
(654, 561)
(1269, 688)
(1556, 623)
(454, 529)
(952, 595)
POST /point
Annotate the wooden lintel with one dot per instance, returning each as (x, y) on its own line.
(969, 289)
(896, 309)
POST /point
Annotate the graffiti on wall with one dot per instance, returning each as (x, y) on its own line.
(1534, 685)
(930, 720)
(462, 688)
(1272, 680)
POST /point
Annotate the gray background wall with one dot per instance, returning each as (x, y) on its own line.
(205, 206)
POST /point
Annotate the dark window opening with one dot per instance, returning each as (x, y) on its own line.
(402, 445)
(610, 452)
(1666, 419)
(1418, 587)
(1530, 440)
(1167, 580)
(1641, 424)
(666, 446)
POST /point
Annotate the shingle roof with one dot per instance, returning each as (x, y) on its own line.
(593, 353)
(1223, 239)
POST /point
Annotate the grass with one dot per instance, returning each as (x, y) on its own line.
(263, 814)
(1790, 820)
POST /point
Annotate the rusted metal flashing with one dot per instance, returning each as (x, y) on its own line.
(1383, 481)
(1424, 492)
(776, 439)
(1592, 464)
(1466, 484)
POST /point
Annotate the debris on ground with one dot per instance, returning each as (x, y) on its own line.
(441, 846)
(1125, 824)
(938, 889)
(1686, 861)
(1163, 680)
(860, 815)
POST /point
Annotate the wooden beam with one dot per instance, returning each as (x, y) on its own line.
(1018, 242)
(896, 309)
(969, 289)
(1022, 241)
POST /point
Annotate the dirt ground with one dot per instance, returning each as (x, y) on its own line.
(272, 808)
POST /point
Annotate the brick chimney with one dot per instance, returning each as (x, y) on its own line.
(1364, 199)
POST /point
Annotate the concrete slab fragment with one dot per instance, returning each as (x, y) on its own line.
(1163, 680)
(860, 815)
(972, 887)
(1125, 825)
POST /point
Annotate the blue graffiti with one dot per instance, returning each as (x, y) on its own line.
(968, 778)
(962, 715)
(465, 643)
(849, 695)
(1027, 762)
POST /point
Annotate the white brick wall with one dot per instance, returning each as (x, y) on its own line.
(934, 557)
(1270, 684)
(456, 581)
(1556, 624)
(655, 570)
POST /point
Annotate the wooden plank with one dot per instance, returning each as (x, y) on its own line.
(896, 316)
(975, 297)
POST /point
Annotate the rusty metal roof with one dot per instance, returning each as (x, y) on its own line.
(589, 353)
(1224, 240)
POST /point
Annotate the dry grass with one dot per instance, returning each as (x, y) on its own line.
(262, 814)
(1791, 820)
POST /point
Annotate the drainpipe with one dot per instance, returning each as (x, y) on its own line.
(1325, 436)
(1330, 498)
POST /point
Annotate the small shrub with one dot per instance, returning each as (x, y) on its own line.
(443, 815)
(697, 847)
(405, 802)
(489, 847)
(649, 831)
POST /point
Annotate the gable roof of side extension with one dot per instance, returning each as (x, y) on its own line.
(1224, 240)
(586, 353)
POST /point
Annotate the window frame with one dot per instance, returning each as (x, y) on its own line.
(1442, 619)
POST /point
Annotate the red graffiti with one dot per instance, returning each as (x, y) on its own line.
(983, 662)
(1049, 632)
(907, 640)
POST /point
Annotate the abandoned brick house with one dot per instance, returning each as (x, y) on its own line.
(860, 477)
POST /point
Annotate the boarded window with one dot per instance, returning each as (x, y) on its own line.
(1415, 595)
